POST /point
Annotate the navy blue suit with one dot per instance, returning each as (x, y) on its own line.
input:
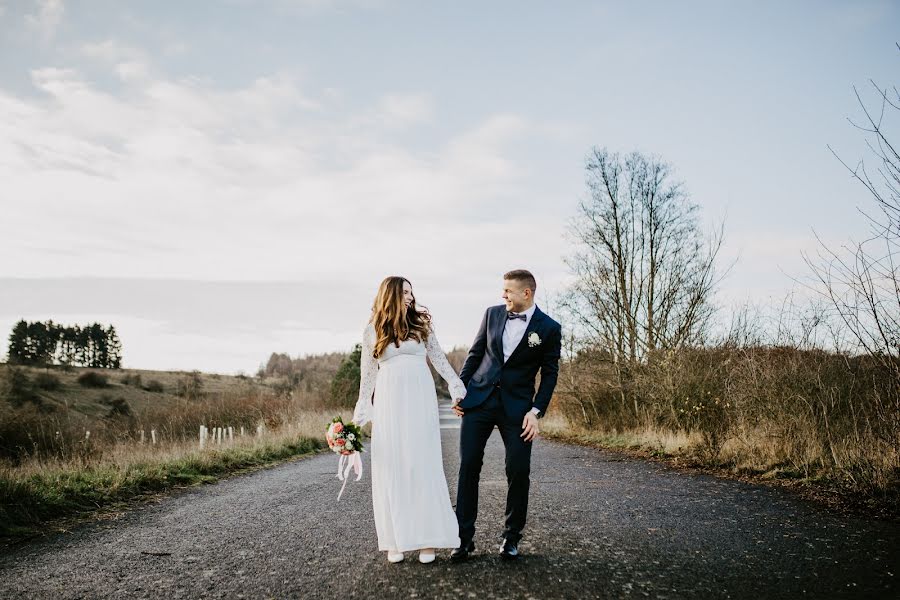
(499, 394)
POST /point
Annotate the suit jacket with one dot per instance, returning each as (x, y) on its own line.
(485, 370)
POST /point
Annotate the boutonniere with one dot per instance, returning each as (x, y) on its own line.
(534, 339)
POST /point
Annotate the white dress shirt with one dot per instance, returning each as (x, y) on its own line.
(512, 336)
(513, 332)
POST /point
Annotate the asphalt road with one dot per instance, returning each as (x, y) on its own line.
(601, 525)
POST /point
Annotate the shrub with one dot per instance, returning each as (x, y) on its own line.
(92, 379)
(118, 407)
(132, 379)
(190, 386)
(16, 387)
(47, 381)
(154, 386)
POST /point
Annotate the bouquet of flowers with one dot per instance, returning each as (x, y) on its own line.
(346, 440)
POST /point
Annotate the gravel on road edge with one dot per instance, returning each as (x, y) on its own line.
(831, 497)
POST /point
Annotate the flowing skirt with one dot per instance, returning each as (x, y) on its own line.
(409, 491)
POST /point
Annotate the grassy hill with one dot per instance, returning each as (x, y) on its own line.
(77, 440)
(55, 389)
(48, 411)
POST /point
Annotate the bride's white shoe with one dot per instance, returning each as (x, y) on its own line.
(394, 557)
(426, 556)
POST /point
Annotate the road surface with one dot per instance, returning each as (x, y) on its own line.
(601, 525)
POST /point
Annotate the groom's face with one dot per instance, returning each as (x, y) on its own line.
(517, 297)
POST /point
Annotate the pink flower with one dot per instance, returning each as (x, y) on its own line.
(338, 428)
(340, 442)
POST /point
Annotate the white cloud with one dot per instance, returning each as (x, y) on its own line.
(181, 178)
(47, 19)
(407, 108)
(111, 51)
(311, 7)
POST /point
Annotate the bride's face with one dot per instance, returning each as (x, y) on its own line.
(407, 294)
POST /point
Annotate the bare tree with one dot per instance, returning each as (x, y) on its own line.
(861, 279)
(644, 272)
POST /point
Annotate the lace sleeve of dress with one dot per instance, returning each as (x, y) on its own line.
(443, 367)
(368, 368)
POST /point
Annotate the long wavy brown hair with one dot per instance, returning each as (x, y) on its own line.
(393, 322)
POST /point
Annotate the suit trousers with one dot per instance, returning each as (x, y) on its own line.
(477, 425)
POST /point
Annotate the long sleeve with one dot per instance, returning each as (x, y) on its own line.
(368, 368)
(443, 367)
(476, 352)
(549, 372)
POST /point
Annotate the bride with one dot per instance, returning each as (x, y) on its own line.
(409, 492)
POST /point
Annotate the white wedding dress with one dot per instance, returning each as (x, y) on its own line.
(409, 492)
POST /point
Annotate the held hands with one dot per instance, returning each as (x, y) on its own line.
(456, 408)
(530, 427)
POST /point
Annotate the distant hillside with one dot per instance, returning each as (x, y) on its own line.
(49, 411)
(54, 389)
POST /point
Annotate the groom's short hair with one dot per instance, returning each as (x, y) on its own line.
(523, 276)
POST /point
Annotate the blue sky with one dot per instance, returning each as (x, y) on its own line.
(306, 149)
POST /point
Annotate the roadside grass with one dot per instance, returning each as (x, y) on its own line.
(686, 451)
(36, 494)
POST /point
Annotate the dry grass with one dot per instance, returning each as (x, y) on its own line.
(123, 454)
(810, 413)
(657, 441)
(811, 417)
(36, 423)
(70, 450)
(41, 490)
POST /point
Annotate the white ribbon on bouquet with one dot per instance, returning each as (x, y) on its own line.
(345, 463)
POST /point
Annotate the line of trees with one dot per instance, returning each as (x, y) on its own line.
(46, 343)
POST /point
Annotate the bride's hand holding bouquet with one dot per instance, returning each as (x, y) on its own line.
(346, 440)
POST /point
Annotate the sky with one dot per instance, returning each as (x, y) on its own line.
(223, 180)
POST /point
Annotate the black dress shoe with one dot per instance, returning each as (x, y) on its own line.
(509, 550)
(463, 551)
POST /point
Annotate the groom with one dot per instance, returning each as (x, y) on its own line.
(514, 342)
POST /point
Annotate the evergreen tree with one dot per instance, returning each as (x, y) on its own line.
(82, 342)
(46, 343)
(41, 343)
(114, 349)
(96, 348)
(68, 346)
(18, 342)
(345, 385)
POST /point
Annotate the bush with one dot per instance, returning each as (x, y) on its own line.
(154, 386)
(132, 379)
(190, 386)
(92, 379)
(118, 407)
(16, 387)
(47, 381)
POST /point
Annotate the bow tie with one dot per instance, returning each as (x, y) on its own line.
(510, 316)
